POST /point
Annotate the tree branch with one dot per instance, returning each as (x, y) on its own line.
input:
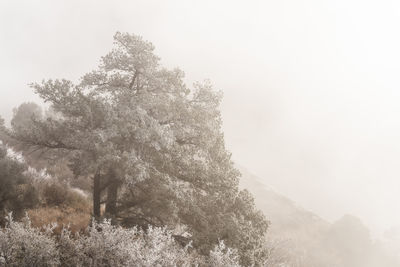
(133, 79)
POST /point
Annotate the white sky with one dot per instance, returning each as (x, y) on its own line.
(311, 87)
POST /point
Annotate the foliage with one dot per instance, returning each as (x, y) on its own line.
(16, 193)
(55, 193)
(25, 246)
(102, 245)
(223, 256)
(58, 203)
(107, 245)
(1, 124)
(23, 115)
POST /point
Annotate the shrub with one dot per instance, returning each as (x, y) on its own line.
(23, 245)
(223, 256)
(101, 245)
(55, 193)
(108, 245)
(16, 193)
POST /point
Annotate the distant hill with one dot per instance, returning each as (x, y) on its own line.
(311, 241)
(288, 220)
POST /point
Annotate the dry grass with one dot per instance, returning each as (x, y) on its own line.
(61, 204)
(77, 221)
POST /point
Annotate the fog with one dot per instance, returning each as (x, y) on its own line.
(311, 88)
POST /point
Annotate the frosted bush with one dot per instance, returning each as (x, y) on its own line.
(108, 245)
(22, 245)
(102, 245)
(224, 256)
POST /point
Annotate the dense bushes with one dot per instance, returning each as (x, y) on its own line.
(16, 192)
(45, 199)
(56, 193)
(223, 256)
(102, 245)
(59, 203)
(23, 245)
(70, 241)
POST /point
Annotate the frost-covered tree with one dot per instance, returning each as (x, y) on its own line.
(153, 146)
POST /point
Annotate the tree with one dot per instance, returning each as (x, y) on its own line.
(1, 123)
(3, 130)
(24, 113)
(154, 146)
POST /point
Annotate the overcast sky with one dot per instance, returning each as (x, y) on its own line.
(311, 87)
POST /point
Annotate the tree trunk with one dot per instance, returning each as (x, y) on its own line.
(96, 196)
(112, 196)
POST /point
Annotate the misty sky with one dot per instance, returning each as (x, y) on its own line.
(311, 88)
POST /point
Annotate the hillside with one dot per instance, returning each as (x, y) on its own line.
(287, 219)
(309, 241)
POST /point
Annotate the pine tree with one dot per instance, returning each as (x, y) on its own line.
(153, 147)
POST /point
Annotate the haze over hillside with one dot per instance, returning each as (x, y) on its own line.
(312, 241)
(287, 218)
